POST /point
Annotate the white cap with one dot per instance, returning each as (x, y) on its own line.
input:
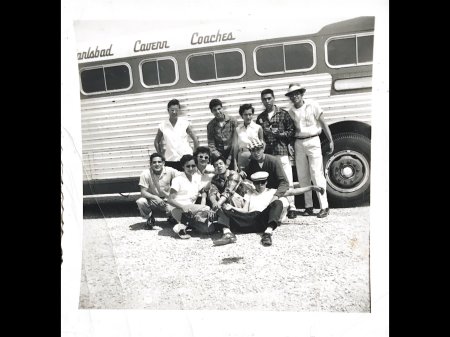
(261, 175)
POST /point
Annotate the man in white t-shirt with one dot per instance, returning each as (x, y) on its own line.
(309, 123)
(175, 132)
(259, 213)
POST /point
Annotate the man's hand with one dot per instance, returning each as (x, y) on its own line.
(243, 174)
(227, 207)
(159, 202)
(211, 215)
(331, 148)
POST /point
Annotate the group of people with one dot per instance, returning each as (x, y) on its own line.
(208, 188)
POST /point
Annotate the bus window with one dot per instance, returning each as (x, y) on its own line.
(106, 78)
(284, 58)
(349, 50)
(158, 72)
(215, 66)
(299, 56)
(365, 48)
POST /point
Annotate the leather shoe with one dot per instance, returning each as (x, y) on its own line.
(150, 222)
(292, 214)
(308, 211)
(323, 213)
(266, 239)
(225, 239)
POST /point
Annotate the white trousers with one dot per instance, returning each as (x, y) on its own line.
(309, 163)
(288, 170)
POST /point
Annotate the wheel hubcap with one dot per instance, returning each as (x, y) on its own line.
(347, 171)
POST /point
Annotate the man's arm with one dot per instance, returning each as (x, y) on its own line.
(157, 143)
(211, 139)
(146, 194)
(302, 190)
(212, 196)
(289, 127)
(231, 184)
(327, 131)
(244, 208)
(283, 184)
(193, 136)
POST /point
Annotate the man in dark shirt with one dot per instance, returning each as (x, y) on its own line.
(220, 132)
(260, 161)
(278, 130)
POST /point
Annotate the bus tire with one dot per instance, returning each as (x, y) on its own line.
(347, 169)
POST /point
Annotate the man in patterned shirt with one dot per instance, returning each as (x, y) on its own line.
(279, 130)
(220, 132)
(225, 186)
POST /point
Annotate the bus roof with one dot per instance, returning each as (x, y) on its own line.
(106, 40)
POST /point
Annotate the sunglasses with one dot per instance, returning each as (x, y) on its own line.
(260, 182)
(203, 157)
(190, 166)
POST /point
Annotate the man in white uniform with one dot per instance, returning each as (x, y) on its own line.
(309, 123)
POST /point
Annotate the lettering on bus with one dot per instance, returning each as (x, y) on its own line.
(139, 46)
(90, 54)
(218, 37)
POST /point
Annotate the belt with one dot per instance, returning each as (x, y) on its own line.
(306, 137)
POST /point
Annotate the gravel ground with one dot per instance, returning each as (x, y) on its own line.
(313, 265)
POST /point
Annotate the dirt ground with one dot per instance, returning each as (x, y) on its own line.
(313, 265)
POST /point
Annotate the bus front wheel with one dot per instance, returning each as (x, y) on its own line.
(347, 169)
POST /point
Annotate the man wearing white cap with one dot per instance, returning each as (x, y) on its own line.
(261, 161)
(259, 214)
(309, 123)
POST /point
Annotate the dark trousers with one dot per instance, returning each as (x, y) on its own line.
(174, 164)
(255, 222)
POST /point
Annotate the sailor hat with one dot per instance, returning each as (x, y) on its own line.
(261, 175)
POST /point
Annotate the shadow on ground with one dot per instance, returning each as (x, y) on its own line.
(119, 206)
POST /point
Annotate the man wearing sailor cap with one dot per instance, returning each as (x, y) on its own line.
(261, 161)
(260, 212)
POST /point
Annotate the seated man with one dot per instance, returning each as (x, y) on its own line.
(155, 186)
(184, 191)
(260, 161)
(259, 213)
(225, 186)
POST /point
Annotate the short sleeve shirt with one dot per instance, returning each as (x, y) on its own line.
(306, 118)
(246, 134)
(187, 191)
(164, 180)
(259, 201)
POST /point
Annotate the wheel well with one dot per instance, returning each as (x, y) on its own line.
(349, 126)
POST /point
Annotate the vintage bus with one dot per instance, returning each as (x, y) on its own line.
(126, 82)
